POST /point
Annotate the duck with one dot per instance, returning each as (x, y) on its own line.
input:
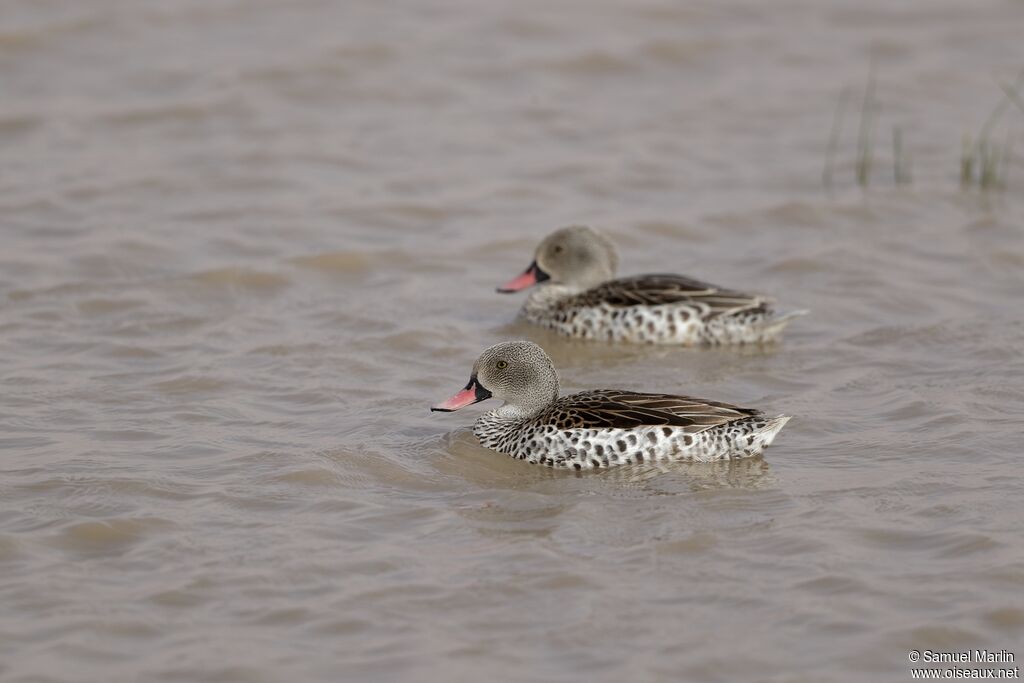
(578, 295)
(601, 428)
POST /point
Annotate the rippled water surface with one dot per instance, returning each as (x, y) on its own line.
(246, 244)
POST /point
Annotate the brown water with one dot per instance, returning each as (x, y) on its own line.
(247, 244)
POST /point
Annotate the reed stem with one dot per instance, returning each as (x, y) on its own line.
(864, 136)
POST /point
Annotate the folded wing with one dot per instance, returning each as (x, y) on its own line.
(654, 290)
(625, 409)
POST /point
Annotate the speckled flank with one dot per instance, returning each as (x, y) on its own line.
(585, 449)
(686, 324)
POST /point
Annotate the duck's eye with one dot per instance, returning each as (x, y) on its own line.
(501, 365)
(558, 249)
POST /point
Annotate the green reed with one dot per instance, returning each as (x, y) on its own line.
(868, 111)
(984, 162)
(833, 138)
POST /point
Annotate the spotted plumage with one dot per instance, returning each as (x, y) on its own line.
(578, 296)
(605, 428)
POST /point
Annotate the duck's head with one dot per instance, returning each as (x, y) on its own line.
(577, 256)
(519, 373)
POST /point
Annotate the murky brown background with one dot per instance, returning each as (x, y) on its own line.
(246, 244)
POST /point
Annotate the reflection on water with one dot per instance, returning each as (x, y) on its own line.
(235, 277)
(464, 457)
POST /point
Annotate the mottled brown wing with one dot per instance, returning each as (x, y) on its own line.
(654, 290)
(627, 409)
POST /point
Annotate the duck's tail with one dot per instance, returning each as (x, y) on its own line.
(757, 433)
(772, 427)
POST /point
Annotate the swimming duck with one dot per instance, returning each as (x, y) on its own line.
(578, 296)
(603, 428)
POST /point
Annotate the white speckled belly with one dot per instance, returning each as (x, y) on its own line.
(683, 324)
(583, 448)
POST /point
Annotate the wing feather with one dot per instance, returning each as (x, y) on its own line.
(658, 289)
(627, 409)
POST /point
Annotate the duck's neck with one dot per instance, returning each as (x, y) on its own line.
(546, 296)
(512, 413)
(499, 428)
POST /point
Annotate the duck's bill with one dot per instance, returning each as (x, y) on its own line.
(472, 393)
(529, 278)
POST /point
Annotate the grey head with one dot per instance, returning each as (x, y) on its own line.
(578, 257)
(519, 373)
